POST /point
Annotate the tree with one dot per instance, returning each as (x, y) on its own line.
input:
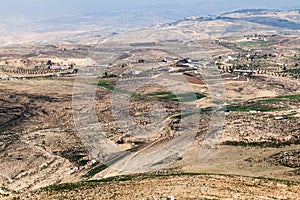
(49, 63)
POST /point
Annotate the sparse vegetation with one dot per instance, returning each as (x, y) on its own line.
(261, 144)
(145, 184)
(282, 98)
(48, 137)
(95, 171)
(186, 97)
(139, 177)
(249, 108)
(254, 43)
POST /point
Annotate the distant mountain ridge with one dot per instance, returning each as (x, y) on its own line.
(249, 15)
(253, 11)
(75, 28)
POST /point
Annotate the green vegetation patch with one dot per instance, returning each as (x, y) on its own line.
(110, 87)
(249, 108)
(159, 94)
(94, 171)
(185, 97)
(291, 97)
(106, 86)
(282, 98)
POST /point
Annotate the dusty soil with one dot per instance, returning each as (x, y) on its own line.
(179, 187)
(38, 133)
(40, 143)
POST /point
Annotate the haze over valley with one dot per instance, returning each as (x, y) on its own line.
(150, 100)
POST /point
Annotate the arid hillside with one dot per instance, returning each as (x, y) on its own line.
(202, 108)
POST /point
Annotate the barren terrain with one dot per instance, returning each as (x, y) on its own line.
(154, 99)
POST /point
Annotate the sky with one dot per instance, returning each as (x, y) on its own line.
(50, 8)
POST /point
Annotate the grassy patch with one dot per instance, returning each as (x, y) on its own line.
(282, 98)
(159, 94)
(109, 87)
(106, 86)
(95, 170)
(291, 97)
(234, 108)
(185, 97)
(249, 108)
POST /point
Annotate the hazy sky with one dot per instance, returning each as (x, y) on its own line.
(40, 8)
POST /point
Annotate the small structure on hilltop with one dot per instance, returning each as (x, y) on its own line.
(256, 38)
